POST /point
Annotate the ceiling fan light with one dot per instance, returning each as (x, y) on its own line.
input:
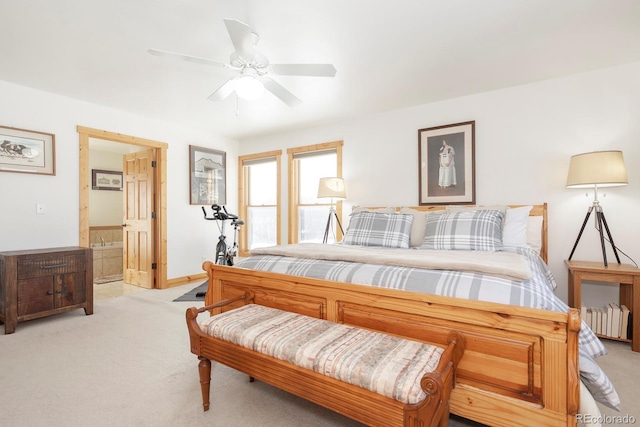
(249, 88)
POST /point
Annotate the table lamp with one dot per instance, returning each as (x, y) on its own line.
(597, 169)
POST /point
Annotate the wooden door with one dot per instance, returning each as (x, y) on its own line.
(138, 209)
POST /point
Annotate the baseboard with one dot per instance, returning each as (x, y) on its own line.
(178, 281)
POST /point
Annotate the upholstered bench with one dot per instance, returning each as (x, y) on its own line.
(370, 376)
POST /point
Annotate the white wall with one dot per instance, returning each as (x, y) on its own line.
(525, 137)
(189, 237)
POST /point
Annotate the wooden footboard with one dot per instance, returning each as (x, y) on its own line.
(520, 366)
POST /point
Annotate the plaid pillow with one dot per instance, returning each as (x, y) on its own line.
(389, 230)
(478, 230)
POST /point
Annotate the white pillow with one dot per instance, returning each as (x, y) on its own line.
(418, 226)
(534, 232)
(515, 228)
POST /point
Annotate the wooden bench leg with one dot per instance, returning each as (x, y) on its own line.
(204, 369)
(444, 421)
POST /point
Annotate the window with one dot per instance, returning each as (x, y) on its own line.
(259, 201)
(308, 215)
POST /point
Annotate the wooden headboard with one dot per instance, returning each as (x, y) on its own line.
(537, 210)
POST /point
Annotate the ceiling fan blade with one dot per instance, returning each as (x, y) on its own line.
(318, 70)
(157, 52)
(223, 91)
(279, 91)
(242, 38)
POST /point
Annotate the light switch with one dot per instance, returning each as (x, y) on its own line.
(39, 209)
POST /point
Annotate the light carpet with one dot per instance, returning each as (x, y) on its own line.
(129, 364)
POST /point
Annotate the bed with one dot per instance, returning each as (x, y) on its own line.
(528, 360)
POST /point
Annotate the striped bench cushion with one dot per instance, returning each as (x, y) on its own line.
(384, 364)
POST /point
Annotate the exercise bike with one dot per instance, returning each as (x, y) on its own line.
(224, 253)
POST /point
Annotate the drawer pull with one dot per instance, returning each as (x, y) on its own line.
(49, 293)
(48, 267)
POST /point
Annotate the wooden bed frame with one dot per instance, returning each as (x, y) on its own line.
(520, 366)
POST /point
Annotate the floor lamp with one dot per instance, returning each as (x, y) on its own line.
(333, 188)
(597, 169)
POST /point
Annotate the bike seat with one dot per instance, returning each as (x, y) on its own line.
(237, 222)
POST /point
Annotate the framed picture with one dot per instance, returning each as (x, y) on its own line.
(27, 151)
(446, 156)
(106, 180)
(207, 177)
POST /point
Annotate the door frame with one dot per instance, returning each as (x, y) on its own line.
(160, 199)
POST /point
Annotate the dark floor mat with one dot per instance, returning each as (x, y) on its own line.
(196, 294)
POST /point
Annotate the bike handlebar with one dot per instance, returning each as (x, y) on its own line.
(220, 213)
(229, 215)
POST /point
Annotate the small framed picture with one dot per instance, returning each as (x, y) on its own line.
(27, 151)
(106, 180)
(446, 156)
(207, 177)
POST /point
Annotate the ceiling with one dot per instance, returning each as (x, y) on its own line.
(388, 55)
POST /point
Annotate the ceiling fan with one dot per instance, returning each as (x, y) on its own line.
(253, 68)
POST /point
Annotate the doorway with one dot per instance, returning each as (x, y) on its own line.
(159, 223)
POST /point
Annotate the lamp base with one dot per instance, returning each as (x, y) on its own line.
(600, 223)
(332, 212)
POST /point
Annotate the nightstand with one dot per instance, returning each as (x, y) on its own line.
(626, 275)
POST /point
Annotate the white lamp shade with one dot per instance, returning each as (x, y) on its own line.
(332, 187)
(249, 88)
(601, 168)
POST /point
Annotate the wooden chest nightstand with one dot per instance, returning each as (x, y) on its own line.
(626, 275)
(40, 282)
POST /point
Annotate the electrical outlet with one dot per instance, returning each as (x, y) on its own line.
(39, 209)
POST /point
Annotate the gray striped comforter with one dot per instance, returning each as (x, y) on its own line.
(537, 292)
